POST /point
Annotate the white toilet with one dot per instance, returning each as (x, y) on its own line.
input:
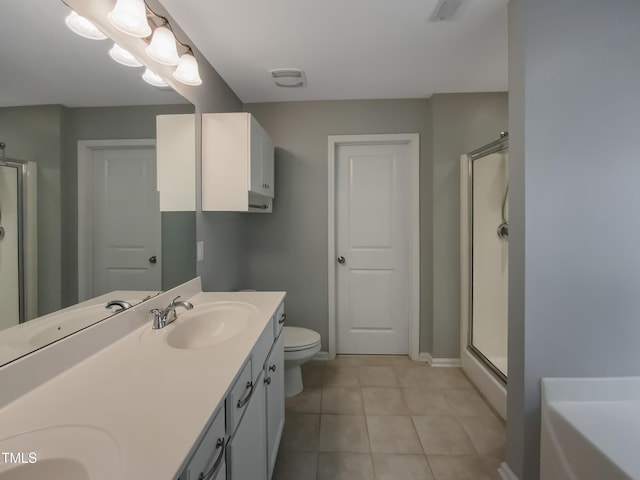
(300, 345)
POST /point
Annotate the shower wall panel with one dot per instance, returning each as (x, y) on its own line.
(9, 238)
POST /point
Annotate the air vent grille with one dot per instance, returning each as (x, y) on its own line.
(288, 77)
(445, 10)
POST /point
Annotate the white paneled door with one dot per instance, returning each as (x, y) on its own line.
(126, 222)
(373, 247)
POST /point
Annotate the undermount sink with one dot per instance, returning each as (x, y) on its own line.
(60, 453)
(590, 428)
(208, 325)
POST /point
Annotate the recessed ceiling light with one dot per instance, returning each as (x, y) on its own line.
(288, 77)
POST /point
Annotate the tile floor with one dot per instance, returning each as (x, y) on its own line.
(388, 418)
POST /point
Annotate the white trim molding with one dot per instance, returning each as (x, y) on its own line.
(505, 472)
(413, 140)
(85, 206)
(439, 362)
(321, 356)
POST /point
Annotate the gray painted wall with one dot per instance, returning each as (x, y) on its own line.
(287, 250)
(461, 123)
(106, 123)
(574, 263)
(35, 134)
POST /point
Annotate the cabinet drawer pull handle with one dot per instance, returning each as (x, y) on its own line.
(282, 318)
(267, 380)
(261, 207)
(272, 368)
(243, 401)
(216, 466)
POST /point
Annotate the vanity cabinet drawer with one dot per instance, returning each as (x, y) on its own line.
(279, 320)
(208, 462)
(261, 350)
(239, 396)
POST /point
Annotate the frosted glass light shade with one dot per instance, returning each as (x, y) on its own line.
(83, 27)
(154, 79)
(162, 48)
(123, 56)
(187, 71)
(130, 17)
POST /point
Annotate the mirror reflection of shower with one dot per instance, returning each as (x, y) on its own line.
(17, 229)
(503, 228)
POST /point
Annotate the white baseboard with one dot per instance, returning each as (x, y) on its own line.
(321, 356)
(438, 362)
(505, 472)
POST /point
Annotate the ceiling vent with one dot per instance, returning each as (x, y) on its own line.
(288, 77)
(445, 10)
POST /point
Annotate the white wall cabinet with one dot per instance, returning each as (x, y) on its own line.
(176, 162)
(237, 164)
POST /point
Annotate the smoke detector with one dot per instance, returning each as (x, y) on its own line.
(288, 77)
(445, 10)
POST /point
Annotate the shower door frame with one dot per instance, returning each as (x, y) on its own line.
(21, 168)
(497, 146)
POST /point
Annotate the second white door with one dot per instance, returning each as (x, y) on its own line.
(373, 232)
(126, 220)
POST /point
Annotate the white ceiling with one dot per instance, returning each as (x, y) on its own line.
(349, 49)
(43, 62)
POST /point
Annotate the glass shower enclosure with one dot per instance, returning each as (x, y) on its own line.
(484, 254)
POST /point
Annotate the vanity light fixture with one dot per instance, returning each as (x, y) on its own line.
(130, 17)
(154, 79)
(83, 27)
(187, 70)
(163, 48)
(123, 57)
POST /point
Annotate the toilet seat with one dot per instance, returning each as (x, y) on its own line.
(296, 339)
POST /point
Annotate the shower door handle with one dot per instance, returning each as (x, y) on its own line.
(341, 259)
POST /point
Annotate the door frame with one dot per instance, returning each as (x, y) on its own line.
(85, 205)
(413, 140)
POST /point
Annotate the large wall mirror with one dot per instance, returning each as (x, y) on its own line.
(84, 127)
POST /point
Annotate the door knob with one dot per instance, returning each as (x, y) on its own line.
(341, 259)
(153, 259)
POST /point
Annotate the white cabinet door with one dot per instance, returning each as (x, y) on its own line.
(274, 381)
(209, 460)
(267, 166)
(247, 452)
(256, 183)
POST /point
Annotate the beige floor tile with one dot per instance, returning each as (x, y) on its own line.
(392, 434)
(301, 432)
(307, 401)
(449, 377)
(341, 376)
(426, 401)
(402, 361)
(342, 400)
(466, 402)
(343, 433)
(312, 375)
(440, 435)
(344, 466)
(295, 465)
(414, 376)
(377, 376)
(486, 433)
(383, 401)
(458, 467)
(401, 467)
(358, 360)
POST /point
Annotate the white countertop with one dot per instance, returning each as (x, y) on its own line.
(153, 400)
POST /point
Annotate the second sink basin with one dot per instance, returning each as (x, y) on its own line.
(208, 325)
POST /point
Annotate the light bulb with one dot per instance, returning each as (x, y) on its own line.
(162, 48)
(154, 79)
(83, 27)
(130, 17)
(123, 56)
(187, 71)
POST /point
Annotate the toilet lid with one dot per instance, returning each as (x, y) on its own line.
(296, 338)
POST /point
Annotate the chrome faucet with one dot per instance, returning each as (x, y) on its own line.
(163, 317)
(118, 303)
